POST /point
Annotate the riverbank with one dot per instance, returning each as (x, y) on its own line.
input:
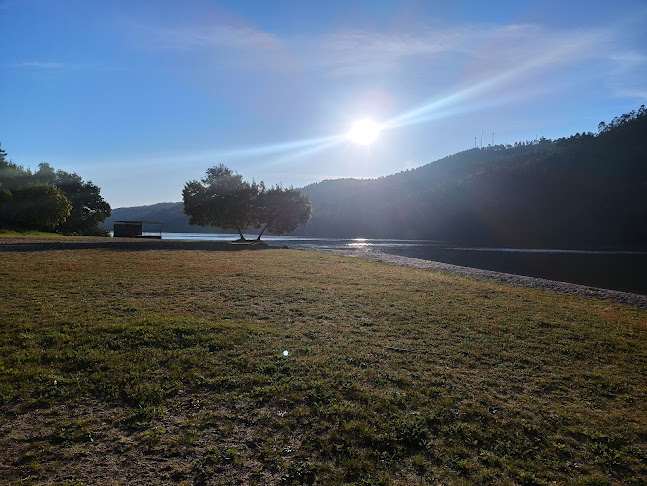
(285, 366)
(626, 298)
(615, 269)
(57, 242)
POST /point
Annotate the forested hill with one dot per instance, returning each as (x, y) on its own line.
(585, 191)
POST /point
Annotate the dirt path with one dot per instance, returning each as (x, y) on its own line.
(633, 300)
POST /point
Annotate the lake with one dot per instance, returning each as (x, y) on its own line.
(617, 270)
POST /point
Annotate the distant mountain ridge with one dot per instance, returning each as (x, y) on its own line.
(170, 214)
(587, 190)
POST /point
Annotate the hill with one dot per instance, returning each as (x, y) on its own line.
(585, 191)
(171, 214)
(582, 191)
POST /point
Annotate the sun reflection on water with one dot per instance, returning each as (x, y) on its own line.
(360, 243)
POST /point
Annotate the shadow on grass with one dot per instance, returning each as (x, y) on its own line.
(134, 245)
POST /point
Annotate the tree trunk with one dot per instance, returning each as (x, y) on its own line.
(242, 238)
(261, 233)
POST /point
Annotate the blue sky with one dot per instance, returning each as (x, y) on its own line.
(141, 97)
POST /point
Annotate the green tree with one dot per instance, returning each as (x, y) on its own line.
(37, 206)
(283, 210)
(222, 199)
(12, 175)
(5, 196)
(3, 156)
(88, 207)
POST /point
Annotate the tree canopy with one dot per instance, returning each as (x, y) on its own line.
(36, 206)
(48, 199)
(88, 207)
(222, 199)
(283, 210)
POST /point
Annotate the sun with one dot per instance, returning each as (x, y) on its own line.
(364, 132)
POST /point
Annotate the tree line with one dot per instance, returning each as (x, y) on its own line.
(49, 200)
(222, 199)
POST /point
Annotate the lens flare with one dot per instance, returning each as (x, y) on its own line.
(364, 132)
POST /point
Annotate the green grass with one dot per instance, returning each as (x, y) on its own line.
(168, 366)
(7, 232)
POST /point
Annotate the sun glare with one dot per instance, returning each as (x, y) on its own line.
(364, 132)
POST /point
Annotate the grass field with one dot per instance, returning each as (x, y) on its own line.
(162, 367)
(5, 234)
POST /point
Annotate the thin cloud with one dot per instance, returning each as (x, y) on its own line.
(628, 74)
(638, 94)
(514, 56)
(217, 36)
(487, 50)
(61, 66)
(338, 53)
(483, 51)
(361, 53)
(40, 65)
(222, 47)
(630, 59)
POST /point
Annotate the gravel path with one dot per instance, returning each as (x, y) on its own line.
(633, 300)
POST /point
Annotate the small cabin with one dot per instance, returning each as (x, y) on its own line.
(137, 229)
